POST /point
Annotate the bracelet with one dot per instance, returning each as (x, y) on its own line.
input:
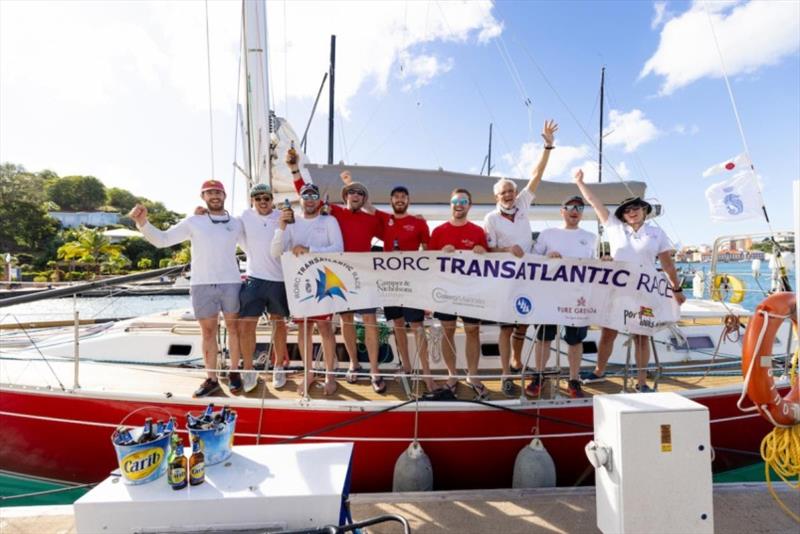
(677, 290)
(551, 147)
(295, 172)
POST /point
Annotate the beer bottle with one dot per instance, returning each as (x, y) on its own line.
(123, 436)
(326, 206)
(197, 463)
(287, 206)
(147, 433)
(159, 428)
(176, 471)
(207, 415)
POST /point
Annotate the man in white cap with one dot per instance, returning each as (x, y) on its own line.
(215, 280)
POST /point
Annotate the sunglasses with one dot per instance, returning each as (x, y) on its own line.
(358, 192)
(310, 196)
(262, 198)
(573, 207)
(629, 209)
(227, 218)
(459, 201)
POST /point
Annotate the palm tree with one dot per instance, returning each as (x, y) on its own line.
(89, 247)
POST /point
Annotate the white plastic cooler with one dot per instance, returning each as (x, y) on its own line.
(266, 486)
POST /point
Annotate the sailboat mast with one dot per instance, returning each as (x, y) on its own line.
(489, 166)
(259, 125)
(600, 152)
(331, 85)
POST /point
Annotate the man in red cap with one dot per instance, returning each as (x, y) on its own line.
(216, 281)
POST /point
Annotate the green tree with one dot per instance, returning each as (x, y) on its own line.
(121, 199)
(89, 247)
(24, 224)
(144, 264)
(77, 193)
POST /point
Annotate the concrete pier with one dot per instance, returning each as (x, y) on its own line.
(746, 508)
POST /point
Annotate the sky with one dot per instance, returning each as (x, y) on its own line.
(119, 90)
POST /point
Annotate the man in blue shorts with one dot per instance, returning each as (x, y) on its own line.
(215, 280)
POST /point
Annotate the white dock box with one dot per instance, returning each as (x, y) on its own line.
(658, 474)
(259, 487)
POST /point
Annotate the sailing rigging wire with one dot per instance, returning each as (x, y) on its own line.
(237, 117)
(210, 107)
(285, 62)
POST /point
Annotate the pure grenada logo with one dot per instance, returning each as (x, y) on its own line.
(142, 464)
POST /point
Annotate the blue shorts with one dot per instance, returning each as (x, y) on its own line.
(448, 317)
(258, 295)
(409, 315)
(365, 311)
(210, 299)
(572, 334)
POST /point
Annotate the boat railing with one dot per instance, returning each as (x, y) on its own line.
(719, 242)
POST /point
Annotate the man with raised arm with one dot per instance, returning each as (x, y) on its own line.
(216, 281)
(634, 240)
(264, 289)
(508, 229)
(569, 241)
(460, 234)
(358, 229)
(311, 232)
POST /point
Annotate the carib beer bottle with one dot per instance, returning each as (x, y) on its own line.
(197, 463)
(176, 471)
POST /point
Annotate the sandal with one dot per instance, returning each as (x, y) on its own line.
(352, 374)
(330, 387)
(378, 384)
(481, 393)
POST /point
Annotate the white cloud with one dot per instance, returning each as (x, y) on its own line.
(561, 160)
(750, 36)
(420, 70)
(629, 130)
(373, 40)
(682, 129)
(659, 14)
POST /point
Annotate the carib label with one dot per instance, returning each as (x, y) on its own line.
(143, 462)
(197, 473)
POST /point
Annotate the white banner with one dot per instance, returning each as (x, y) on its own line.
(494, 287)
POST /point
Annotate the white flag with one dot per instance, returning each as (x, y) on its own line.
(736, 199)
(733, 165)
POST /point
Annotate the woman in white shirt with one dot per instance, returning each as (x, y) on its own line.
(634, 240)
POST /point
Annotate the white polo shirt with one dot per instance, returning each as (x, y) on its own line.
(503, 233)
(320, 234)
(570, 243)
(636, 246)
(258, 233)
(213, 246)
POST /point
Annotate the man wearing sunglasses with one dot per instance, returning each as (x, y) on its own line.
(215, 279)
(508, 229)
(264, 290)
(631, 239)
(569, 241)
(460, 234)
(311, 233)
(359, 228)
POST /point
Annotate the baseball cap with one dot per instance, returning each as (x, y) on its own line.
(309, 188)
(574, 198)
(260, 189)
(398, 189)
(210, 185)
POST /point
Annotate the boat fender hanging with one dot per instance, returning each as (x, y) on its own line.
(759, 338)
(534, 467)
(698, 285)
(413, 470)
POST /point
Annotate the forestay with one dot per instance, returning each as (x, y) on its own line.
(495, 287)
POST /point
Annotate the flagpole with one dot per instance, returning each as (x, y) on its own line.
(776, 248)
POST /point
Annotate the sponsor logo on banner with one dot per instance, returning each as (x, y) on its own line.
(325, 278)
(645, 317)
(442, 296)
(523, 305)
(581, 310)
(393, 287)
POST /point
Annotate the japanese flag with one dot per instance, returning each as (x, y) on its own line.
(734, 165)
(736, 199)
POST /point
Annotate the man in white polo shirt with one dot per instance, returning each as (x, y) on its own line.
(508, 229)
(569, 241)
(215, 280)
(635, 240)
(263, 290)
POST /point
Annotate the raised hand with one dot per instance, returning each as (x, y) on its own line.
(291, 157)
(200, 210)
(138, 214)
(549, 132)
(346, 177)
(579, 177)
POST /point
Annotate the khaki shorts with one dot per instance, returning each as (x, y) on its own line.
(210, 299)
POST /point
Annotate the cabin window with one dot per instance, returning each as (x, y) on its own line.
(694, 343)
(179, 350)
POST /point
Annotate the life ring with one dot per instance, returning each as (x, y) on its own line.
(757, 344)
(725, 284)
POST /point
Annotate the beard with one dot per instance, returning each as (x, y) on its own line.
(400, 209)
